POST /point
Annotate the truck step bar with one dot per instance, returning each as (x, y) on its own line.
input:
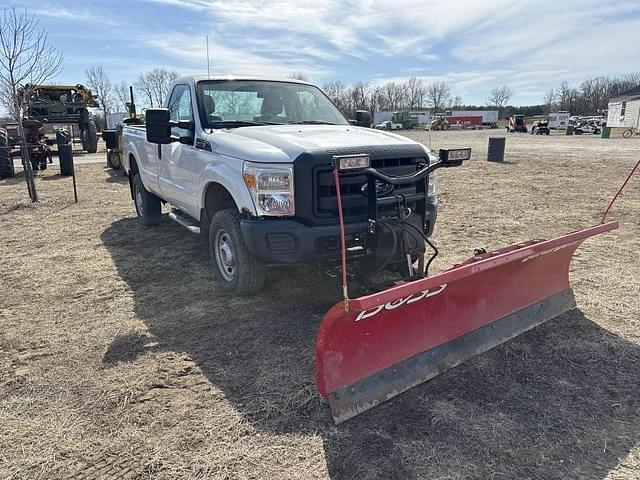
(184, 220)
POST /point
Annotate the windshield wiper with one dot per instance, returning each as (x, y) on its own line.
(239, 123)
(311, 122)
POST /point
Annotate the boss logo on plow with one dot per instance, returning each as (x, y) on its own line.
(416, 297)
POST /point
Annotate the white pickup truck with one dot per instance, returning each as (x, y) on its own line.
(247, 163)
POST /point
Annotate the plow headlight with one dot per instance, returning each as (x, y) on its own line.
(455, 156)
(271, 187)
(352, 162)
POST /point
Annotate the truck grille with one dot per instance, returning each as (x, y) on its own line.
(354, 201)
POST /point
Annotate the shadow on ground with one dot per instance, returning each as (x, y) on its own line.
(559, 402)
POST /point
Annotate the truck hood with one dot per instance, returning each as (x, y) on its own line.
(284, 143)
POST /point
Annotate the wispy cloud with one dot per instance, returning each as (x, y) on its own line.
(474, 45)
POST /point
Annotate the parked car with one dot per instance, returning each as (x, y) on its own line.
(388, 125)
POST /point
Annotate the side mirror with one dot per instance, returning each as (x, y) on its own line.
(363, 118)
(158, 126)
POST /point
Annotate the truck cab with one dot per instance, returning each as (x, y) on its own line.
(246, 162)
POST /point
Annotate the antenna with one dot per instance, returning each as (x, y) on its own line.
(429, 124)
(208, 67)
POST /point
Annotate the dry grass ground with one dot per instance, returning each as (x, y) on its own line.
(119, 357)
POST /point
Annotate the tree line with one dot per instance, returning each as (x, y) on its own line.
(590, 97)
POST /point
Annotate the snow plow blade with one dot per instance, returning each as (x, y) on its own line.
(393, 340)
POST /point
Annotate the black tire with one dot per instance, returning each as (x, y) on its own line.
(90, 137)
(6, 161)
(237, 271)
(148, 206)
(113, 159)
(627, 133)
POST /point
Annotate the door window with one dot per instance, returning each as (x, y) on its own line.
(181, 108)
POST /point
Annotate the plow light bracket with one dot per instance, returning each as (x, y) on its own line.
(454, 157)
(352, 162)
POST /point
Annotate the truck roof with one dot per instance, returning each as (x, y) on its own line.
(198, 78)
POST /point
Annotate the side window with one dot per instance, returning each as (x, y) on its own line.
(181, 108)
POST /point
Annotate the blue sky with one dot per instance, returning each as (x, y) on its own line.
(474, 45)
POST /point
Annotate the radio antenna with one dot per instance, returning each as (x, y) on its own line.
(208, 68)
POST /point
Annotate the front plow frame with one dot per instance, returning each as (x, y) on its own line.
(391, 341)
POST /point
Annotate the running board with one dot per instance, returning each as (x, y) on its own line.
(184, 220)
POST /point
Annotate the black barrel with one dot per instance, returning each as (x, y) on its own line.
(110, 137)
(496, 149)
(65, 154)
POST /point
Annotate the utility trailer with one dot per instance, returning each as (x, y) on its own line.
(488, 118)
(558, 120)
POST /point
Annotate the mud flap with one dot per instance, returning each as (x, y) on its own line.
(391, 341)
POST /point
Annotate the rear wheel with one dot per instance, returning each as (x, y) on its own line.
(627, 133)
(113, 159)
(148, 206)
(237, 271)
(90, 137)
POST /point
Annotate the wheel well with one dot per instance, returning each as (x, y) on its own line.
(217, 198)
(133, 166)
(133, 170)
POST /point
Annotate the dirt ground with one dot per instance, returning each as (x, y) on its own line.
(120, 358)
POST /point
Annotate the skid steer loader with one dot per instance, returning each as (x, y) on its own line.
(401, 333)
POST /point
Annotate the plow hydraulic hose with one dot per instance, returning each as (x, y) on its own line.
(343, 246)
(615, 197)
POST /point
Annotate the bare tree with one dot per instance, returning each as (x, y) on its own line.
(456, 102)
(359, 97)
(499, 96)
(155, 85)
(101, 87)
(415, 92)
(438, 94)
(298, 76)
(337, 93)
(122, 95)
(26, 60)
(549, 99)
(393, 95)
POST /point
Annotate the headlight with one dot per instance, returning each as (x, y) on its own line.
(271, 188)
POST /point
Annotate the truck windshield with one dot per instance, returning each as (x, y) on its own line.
(239, 103)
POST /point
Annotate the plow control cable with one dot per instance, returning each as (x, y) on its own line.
(343, 243)
(615, 197)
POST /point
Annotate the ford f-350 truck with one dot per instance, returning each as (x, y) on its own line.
(247, 163)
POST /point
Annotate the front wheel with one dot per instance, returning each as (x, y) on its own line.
(627, 133)
(237, 271)
(148, 206)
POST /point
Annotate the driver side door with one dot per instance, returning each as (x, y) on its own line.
(175, 167)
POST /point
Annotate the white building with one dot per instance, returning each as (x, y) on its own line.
(624, 109)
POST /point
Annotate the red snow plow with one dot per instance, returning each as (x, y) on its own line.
(378, 345)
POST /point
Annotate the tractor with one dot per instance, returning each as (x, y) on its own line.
(64, 105)
(439, 122)
(517, 124)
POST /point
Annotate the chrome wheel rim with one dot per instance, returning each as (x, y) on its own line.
(225, 257)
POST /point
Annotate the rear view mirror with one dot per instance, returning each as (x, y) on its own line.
(363, 118)
(158, 126)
